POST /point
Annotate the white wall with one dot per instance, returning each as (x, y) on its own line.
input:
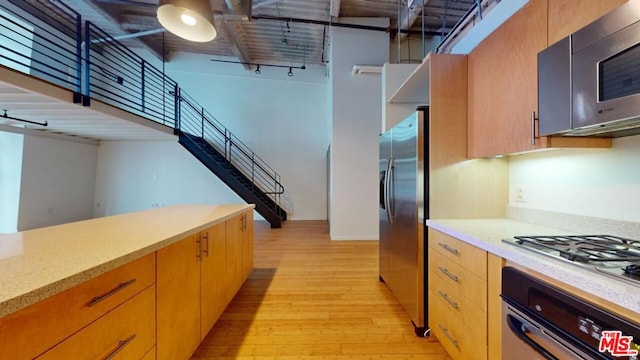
(356, 116)
(138, 175)
(281, 118)
(57, 184)
(10, 174)
(602, 183)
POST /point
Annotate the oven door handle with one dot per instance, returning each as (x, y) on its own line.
(520, 330)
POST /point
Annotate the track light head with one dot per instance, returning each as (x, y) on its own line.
(290, 73)
(258, 70)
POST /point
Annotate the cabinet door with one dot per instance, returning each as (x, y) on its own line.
(247, 245)
(568, 16)
(178, 299)
(235, 230)
(213, 274)
(503, 90)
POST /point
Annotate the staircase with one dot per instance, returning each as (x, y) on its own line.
(232, 161)
(76, 59)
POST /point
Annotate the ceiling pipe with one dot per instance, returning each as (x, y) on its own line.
(129, 36)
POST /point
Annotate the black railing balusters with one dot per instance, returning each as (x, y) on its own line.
(77, 97)
(143, 84)
(202, 119)
(86, 99)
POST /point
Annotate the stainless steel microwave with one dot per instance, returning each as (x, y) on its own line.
(589, 82)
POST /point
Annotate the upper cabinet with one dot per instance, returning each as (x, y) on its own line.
(568, 16)
(503, 78)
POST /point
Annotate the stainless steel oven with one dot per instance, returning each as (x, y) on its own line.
(543, 322)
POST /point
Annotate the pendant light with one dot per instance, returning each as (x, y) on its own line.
(189, 19)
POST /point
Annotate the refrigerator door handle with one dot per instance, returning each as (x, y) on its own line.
(389, 191)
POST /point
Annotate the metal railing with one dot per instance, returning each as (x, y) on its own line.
(43, 39)
(47, 39)
(195, 120)
(118, 76)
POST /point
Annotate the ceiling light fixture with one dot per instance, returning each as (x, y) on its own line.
(258, 70)
(290, 73)
(189, 19)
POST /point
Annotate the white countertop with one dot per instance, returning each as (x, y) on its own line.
(487, 234)
(36, 264)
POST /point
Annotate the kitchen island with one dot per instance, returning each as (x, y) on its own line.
(75, 283)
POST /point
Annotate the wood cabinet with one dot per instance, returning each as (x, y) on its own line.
(197, 278)
(128, 331)
(31, 331)
(178, 299)
(458, 296)
(568, 16)
(464, 298)
(247, 245)
(214, 296)
(503, 90)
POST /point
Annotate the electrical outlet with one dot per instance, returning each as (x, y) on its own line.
(520, 195)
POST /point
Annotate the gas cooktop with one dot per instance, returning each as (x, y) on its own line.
(609, 254)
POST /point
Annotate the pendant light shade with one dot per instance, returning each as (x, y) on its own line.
(189, 19)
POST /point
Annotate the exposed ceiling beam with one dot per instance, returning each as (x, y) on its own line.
(235, 43)
(334, 9)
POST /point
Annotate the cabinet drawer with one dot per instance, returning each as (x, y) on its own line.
(463, 254)
(37, 328)
(127, 332)
(460, 308)
(454, 276)
(453, 334)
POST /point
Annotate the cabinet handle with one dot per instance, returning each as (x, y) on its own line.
(446, 333)
(120, 286)
(448, 248)
(450, 275)
(206, 243)
(533, 128)
(121, 345)
(451, 302)
(199, 252)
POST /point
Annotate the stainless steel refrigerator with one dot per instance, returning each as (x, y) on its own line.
(403, 195)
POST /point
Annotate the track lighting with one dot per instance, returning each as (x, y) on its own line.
(189, 19)
(290, 73)
(258, 70)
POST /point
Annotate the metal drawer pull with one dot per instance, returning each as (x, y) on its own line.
(206, 244)
(121, 346)
(199, 250)
(448, 248)
(450, 275)
(446, 333)
(120, 286)
(451, 302)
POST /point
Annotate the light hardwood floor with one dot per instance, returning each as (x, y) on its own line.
(311, 298)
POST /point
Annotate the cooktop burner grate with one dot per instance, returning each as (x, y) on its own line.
(585, 248)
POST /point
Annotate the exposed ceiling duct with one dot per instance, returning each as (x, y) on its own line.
(285, 32)
(408, 16)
